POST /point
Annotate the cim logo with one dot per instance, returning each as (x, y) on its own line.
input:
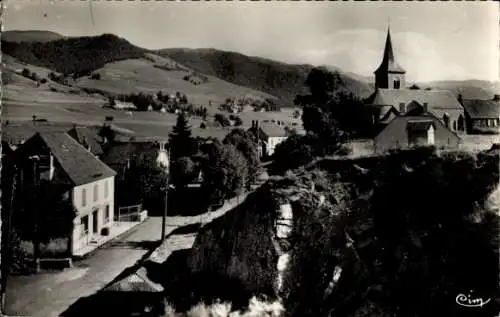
(470, 300)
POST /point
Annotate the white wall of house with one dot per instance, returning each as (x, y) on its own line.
(430, 135)
(91, 200)
(272, 142)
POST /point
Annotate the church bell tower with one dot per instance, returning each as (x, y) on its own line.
(389, 74)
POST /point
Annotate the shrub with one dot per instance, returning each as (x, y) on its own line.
(222, 120)
(95, 76)
(43, 80)
(26, 73)
(203, 125)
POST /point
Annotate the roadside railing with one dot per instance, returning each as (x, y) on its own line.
(129, 213)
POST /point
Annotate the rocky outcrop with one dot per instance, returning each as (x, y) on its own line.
(364, 236)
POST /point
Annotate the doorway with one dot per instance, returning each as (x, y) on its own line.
(94, 221)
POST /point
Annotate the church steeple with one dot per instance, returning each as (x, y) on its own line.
(389, 74)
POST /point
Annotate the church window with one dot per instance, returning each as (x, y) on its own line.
(397, 84)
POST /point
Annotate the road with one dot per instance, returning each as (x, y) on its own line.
(49, 294)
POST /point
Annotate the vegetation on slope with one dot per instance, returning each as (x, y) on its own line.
(282, 80)
(30, 36)
(79, 55)
(409, 230)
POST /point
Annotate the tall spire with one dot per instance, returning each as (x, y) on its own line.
(389, 63)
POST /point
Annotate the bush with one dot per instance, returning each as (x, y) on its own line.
(222, 120)
(43, 80)
(26, 73)
(203, 125)
(95, 76)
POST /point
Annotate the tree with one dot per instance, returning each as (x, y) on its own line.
(182, 172)
(225, 172)
(293, 152)
(107, 133)
(244, 142)
(237, 121)
(44, 214)
(181, 141)
(222, 120)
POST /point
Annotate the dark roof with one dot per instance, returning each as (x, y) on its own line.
(401, 123)
(77, 162)
(86, 137)
(419, 125)
(438, 101)
(271, 129)
(19, 132)
(389, 63)
(482, 109)
(120, 152)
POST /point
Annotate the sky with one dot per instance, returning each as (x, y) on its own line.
(431, 40)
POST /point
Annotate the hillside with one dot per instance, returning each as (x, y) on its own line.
(279, 79)
(79, 55)
(470, 89)
(30, 36)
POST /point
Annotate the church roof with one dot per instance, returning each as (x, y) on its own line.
(435, 99)
(389, 63)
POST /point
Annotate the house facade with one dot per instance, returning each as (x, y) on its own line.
(269, 135)
(81, 177)
(482, 116)
(412, 131)
(391, 98)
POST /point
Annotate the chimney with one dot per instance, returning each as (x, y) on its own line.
(496, 97)
(402, 108)
(426, 107)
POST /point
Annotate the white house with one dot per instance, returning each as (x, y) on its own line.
(269, 135)
(84, 179)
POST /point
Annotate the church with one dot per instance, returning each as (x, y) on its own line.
(404, 117)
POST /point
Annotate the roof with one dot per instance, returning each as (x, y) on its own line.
(402, 123)
(271, 129)
(86, 137)
(482, 109)
(120, 152)
(19, 132)
(388, 61)
(135, 282)
(435, 99)
(419, 125)
(77, 162)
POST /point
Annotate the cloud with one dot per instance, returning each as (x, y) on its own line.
(360, 51)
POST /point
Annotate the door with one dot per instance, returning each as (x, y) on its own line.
(94, 221)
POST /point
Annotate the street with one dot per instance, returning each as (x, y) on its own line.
(49, 294)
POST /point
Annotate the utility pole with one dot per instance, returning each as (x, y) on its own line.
(164, 163)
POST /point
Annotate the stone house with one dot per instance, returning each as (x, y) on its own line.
(269, 135)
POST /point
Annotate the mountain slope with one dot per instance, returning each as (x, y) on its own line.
(470, 89)
(279, 79)
(79, 55)
(30, 36)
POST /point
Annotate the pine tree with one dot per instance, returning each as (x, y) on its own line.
(181, 141)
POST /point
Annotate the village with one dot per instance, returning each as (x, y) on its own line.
(92, 212)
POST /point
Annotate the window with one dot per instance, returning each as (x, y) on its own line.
(96, 192)
(106, 189)
(84, 197)
(106, 214)
(397, 84)
(84, 221)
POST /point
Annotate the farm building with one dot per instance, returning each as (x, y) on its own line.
(84, 180)
(482, 116)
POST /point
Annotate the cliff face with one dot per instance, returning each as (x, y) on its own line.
(377, 236)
